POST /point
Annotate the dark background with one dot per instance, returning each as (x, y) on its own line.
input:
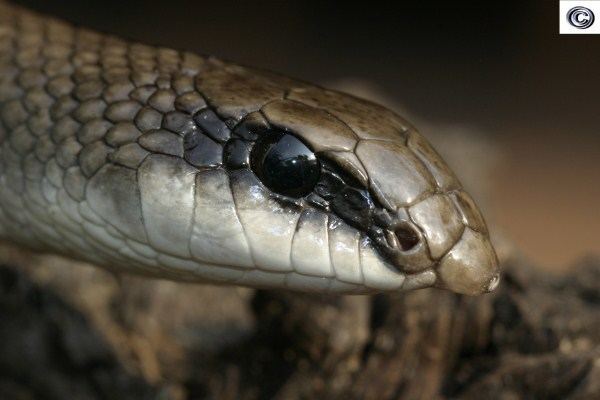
(501, 67)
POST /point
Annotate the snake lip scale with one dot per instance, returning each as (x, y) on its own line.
(169, 164)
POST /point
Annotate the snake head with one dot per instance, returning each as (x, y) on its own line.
(376, 207)
(246, 177)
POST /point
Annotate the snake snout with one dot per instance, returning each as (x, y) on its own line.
(471, 266)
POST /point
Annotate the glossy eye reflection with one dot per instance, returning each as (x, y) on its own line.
(285, 165)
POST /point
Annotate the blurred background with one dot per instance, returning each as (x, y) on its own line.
(497, 70)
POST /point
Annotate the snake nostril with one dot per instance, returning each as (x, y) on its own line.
(408, 238)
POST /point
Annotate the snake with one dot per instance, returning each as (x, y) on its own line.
(174, 165)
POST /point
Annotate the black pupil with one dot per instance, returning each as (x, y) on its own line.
(285, 165)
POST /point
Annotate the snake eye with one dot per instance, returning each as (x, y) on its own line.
(284, 164)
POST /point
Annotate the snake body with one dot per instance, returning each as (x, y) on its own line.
(136, 158)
